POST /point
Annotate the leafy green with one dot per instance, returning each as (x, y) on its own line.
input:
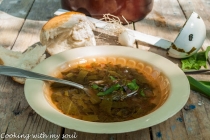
(95, 86)
(207, 52)
(142, 93)
(112, 78)
(133, 85)
(109, 90)
(196, 61)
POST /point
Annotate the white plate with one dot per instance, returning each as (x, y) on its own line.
(179, 90)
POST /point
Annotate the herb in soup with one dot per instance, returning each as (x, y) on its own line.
(110, 84)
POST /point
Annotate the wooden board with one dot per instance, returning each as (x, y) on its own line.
(12, 19)
(196, 120)
(16, 114)
(40, 13)
(158, 23)
(140, 134)
(143, 134)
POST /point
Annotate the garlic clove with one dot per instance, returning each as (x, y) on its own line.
(126, 38)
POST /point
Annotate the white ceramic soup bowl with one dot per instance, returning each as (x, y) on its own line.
(177, 82)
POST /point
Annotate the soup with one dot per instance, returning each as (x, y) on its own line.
(111, 79)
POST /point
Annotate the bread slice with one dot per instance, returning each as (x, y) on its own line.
(8, 57)
(27, 60)
(66, 31)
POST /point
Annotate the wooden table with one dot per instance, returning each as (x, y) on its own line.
(20, 24)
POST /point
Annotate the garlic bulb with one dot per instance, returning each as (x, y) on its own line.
(126, 39)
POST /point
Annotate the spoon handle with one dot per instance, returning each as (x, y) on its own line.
(12, 71)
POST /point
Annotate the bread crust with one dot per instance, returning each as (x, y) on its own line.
(58, 21)
(66, 31)
(19, 80)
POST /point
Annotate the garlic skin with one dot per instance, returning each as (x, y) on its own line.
(126, 39)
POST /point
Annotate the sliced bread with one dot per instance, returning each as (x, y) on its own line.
(27, 60)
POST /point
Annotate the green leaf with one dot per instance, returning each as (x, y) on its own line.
(112, 78)
(109, 90)
(133, 85)
(207, 52)
(196, 61)
(188, 63)
(201, 87)
(142, 93)
(95, 86)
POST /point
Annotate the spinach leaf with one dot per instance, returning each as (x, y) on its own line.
(133, 85)
(196, 61)
(109, 90)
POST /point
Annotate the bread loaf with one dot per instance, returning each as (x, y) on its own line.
(66, 31)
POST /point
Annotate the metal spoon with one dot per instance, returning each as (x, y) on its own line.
(17, 72)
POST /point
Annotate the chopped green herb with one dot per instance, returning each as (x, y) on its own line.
(196, 61)
(109, 90)
(132, 85)
(142, 93)
(112, 78)
(95, 86)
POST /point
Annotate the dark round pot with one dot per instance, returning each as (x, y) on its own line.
(132, 10)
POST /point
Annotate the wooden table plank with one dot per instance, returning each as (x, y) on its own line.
(20, 118)
(143, 134)
(40, 13)
(197, 120)
(159, 23)
(202, 8)
(12, 19)
(137, 135)
(78, 135)
(191, 121)
(173, 128)
(11, 102)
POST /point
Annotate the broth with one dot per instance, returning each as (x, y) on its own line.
(111, 79)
